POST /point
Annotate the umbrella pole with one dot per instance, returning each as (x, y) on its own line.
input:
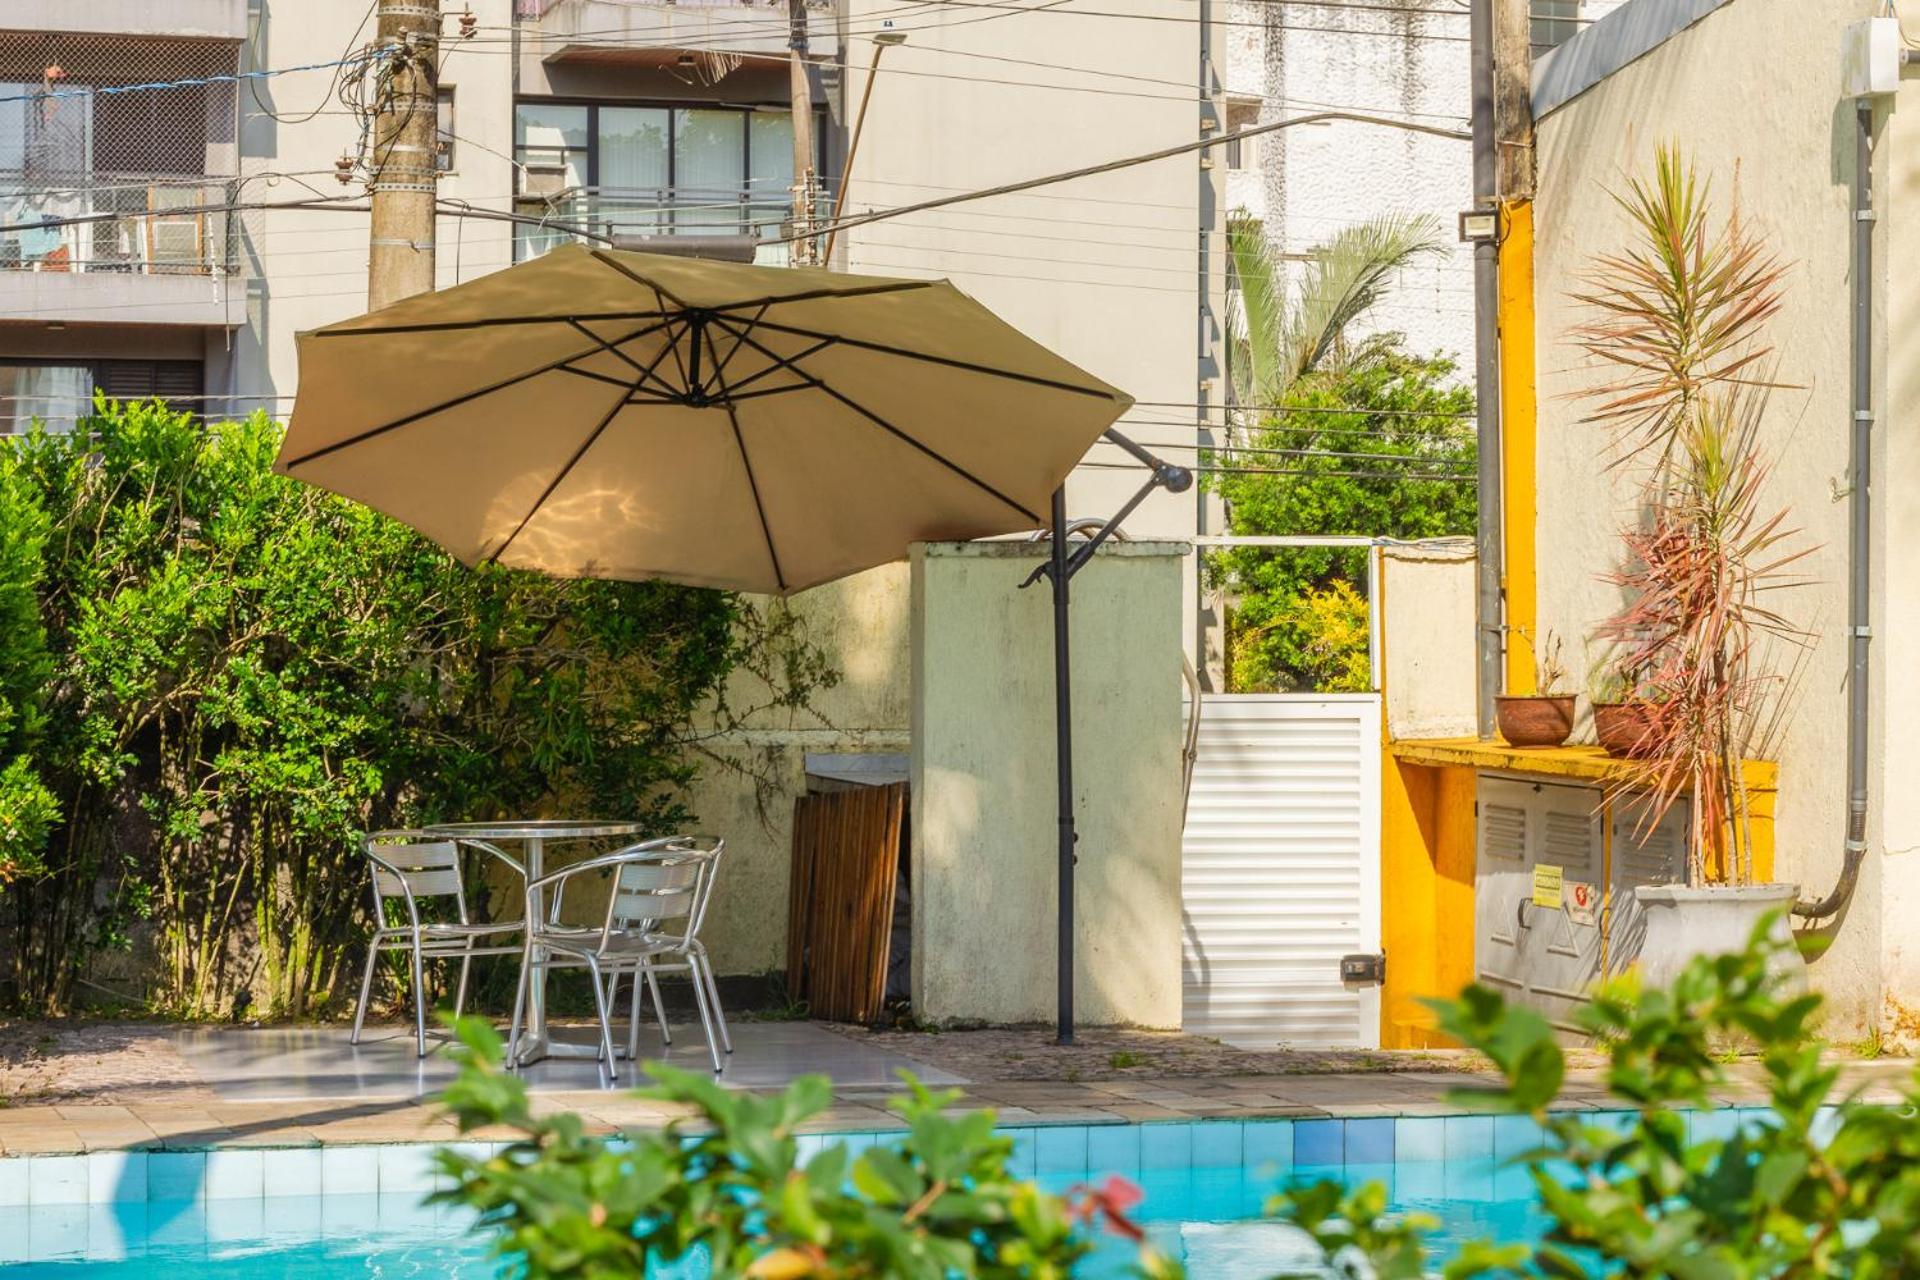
(1060, 567)
(1063, 757)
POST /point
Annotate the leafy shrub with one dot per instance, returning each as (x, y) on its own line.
(1803, 1188)
(730, 1192)
(1383, 446)
(27, 808)
(246, 671)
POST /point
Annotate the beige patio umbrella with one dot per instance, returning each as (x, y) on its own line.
(624, 415)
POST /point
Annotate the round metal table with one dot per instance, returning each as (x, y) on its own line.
(532, 836)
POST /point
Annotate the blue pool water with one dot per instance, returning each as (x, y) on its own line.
(1202, 1215)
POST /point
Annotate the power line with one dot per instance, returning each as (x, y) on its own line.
(1127, 162)
(193, 82)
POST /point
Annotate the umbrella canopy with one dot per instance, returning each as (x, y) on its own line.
(597, 413)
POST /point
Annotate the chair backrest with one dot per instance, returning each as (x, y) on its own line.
(407, 864)
(658, 890)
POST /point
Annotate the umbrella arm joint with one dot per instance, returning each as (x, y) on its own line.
(1163, 475)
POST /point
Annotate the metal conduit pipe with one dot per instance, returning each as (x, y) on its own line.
(1860, 535)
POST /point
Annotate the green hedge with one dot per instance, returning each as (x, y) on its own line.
(212, 677)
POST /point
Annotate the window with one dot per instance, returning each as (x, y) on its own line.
(1243, 113)
(652, 170)
(1554, 22)
(443, 141)
(58, 393)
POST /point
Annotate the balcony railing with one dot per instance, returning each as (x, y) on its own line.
(658, 211)
(118, 223)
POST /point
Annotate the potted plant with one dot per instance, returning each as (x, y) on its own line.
(1543, 719)
(1678, 319)
(1622, 713)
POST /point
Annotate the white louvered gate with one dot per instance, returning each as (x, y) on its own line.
(1281, 870)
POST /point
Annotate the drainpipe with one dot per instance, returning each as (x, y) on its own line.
(1486, 377)
(1860, 537)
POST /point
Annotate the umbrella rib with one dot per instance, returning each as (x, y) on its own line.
(450, 326)
(789, 364)
(929, 358)
(753, 486)
(814, 295)
(720, 368)
(609, 379)
(604, 344)
(454, 403)
(493, 557)
(896, 432)
(660, 295)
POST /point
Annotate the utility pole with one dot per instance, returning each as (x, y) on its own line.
(1513, 98)
(403, 179)
(805, 251)
(1489, 549)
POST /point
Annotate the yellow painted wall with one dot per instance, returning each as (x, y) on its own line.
(1518, 416)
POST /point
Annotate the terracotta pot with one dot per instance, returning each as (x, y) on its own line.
(1622, 728)
(1534, 720)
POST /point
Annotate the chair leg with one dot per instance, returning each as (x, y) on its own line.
(419, 999)
(634, 1009)
(705, 967)
(606, 1028)
(613, 994)
(519, 1007)
(460, 992)
(366, 989)
(706, 1019)
(659, 1006)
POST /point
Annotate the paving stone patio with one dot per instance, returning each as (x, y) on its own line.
(110, 1086)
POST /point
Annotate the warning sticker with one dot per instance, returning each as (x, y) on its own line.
(1583, 903)
(1546, 886)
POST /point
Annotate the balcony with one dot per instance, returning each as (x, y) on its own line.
(661, 211)
(141, 248)
(191, 19)
(656, 32)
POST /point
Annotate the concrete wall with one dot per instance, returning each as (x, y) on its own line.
(984, 870)
(1426, 641)
(1785, 152)
(862, 624)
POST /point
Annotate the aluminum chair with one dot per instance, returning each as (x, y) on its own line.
(652, 915)
(685, 954)
(411, 867)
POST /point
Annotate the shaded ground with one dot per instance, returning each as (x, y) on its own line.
(73, 1061)
(1032, 1053)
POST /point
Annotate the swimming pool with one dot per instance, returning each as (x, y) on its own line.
(313, 1214)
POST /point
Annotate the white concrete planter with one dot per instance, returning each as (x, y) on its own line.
(1684, 922)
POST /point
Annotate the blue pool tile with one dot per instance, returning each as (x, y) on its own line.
(58, 1232)
(1826, 1123)
(58, 1179)
(231, 1221)
(1422, 1180)
(1319, 1143)
(1166, 1146)
(1614, 1122)
(117, 1176)
(15, 1182)
(1114, 1148)
(1469, 1138)
(1418, 1139)
(407, 1169)
(349, 1171)
(1514, 1136)
(1268, 1145)
(1512, 1182)
(1061, 1149)
(176, 1175)
(236, 1175)
(15, 1223)
(1712, 1126)
(1370, 1141)
(177, 1224)
(1757, 1119)
(1026, 1154)
(297, 1171)
(115, 1231)
(1217, 1144)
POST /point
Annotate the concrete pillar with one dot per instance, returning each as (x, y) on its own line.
(983, 784)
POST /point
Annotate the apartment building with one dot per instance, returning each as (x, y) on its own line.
(1403, 59)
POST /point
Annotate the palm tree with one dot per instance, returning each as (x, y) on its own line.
(1279, 336)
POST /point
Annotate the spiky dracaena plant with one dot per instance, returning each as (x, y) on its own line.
(1679, 319)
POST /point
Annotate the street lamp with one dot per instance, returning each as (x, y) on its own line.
(882, 42)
